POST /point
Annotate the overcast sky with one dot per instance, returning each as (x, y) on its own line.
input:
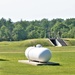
(36, 9)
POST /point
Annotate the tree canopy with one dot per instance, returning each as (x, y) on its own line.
(21, 30)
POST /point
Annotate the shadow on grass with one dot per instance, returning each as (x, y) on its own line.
(55, 64)
(3, 60)
(52, 64)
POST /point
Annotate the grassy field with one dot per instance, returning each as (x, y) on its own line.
(10, 53)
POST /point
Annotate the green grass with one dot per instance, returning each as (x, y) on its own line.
(10, 65)
(70, 42)
(26, 43)
(11, 52)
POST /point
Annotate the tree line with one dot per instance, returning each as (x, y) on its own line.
(21, 30)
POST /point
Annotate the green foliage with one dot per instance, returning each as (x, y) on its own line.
(44, 28)
(18, 33)
(4, 33)
(71, 33)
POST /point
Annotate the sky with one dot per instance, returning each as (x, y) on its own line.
(36, 9)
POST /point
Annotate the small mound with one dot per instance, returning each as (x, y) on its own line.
(33, 42)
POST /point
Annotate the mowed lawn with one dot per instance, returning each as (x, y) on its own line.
(9, 64)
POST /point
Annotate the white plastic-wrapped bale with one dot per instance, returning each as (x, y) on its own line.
(39, 54)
